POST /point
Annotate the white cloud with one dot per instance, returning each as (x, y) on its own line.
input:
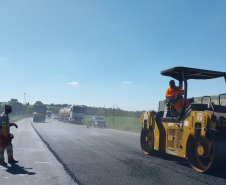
(72, 83)
(127, 82)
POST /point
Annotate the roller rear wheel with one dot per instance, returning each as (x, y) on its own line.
(147, 141)
(213, 161)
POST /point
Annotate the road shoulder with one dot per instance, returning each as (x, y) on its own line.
(37, 165)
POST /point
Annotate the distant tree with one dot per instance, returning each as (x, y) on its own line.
(13, 102)
(101, 111)
(39, 103)
(17, 107)
(28, 108)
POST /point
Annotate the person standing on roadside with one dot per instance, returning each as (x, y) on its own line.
(6, 137)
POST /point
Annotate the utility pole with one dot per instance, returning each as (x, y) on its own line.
(113, 115)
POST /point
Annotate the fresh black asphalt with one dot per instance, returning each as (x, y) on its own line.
(104, 156)
(37, 165)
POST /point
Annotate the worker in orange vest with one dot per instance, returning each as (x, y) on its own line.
(6, 137)
(172, 91)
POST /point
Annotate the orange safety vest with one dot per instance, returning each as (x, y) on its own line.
(179, 103)
(174, 93)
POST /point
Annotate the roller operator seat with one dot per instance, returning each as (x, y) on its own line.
(170, 111)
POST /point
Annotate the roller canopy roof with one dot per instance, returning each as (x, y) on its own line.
(192, 73)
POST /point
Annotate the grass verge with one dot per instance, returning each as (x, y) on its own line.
(130, 124)
(15, 118)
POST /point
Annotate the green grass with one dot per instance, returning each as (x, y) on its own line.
(121, 123)
(15, 118)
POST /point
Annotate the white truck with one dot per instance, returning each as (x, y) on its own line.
(73, 114)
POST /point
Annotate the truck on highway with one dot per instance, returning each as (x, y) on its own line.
(39, 114)
(49, 113)
(73, 114)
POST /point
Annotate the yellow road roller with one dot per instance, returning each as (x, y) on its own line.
(197, 133)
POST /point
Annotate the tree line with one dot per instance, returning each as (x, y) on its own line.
(101, 111)
(21, 109)
(17, 107)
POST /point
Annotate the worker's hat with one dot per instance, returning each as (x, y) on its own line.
(8, 108)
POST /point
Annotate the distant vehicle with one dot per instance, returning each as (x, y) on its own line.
(55, 117)
(97, 121)
(73, 114)
(49, 113)
(39, 114)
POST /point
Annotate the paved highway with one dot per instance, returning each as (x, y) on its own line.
(104, 156)
(37, 165)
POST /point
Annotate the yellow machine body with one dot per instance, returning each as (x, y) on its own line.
(174, 137)
(177, 133)
(197, 132)
(147, 119)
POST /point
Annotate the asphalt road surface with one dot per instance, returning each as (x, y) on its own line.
(104, 156)
(37, 165)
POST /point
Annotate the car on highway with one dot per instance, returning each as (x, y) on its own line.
(97, 121)
(55, 117)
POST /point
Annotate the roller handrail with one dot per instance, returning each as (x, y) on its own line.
(185, 93)
(220, 97)
(206, 97)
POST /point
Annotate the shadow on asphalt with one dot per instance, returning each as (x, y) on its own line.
(72, 123)
(16, 170)
(168, 157)
(42, 122)
(97, 127)
(220, 173)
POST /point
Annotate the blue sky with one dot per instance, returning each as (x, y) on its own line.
(46, 44)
